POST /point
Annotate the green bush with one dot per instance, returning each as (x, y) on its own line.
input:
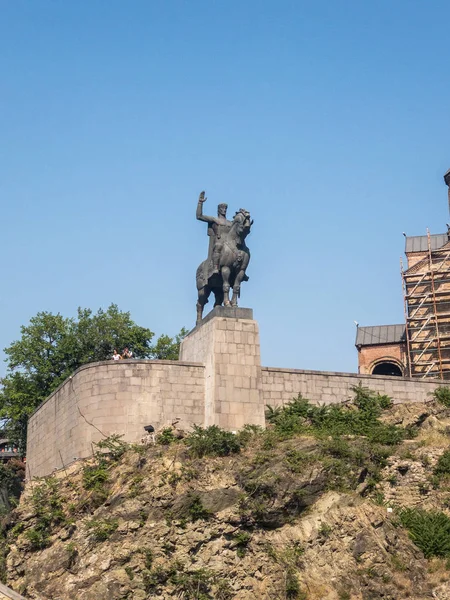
(39, 538)
(212, 441)
(102, 529)
(429, 530)
(166, 437)
(241, 541)
(442, 395)
(293, 589)
(195, 509)
(195, 584)
(248, 432)
(94, 476)
(48, 511)
(113, 446)
(443, 465)
(360, 418)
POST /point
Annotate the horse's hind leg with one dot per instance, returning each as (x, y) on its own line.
(237, 287)
(203, 295)
(226, 285)
(218, 293)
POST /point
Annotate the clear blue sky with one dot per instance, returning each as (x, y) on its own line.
(328, 120)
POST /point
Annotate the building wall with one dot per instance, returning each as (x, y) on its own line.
(281, 385)
(412, 258)
(369, 356)
(112, 397)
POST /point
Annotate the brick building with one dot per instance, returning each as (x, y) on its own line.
(420, 347)
(381, 350)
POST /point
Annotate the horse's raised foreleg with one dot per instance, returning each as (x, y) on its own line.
(237, 287)
(203, 295)
(226, 285)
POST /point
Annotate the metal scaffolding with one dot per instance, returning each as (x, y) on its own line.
(426, 292)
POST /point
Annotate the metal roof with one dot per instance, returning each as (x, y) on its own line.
(380, 334)
(419, 243)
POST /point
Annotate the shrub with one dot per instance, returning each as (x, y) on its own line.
(38, 537)
(241, 541)
(443, 465)
(113, 446)
(195, 508)
(94, 476)
(429, 530)
(248, 432)
(360, 418)
(292, 585)
(47, 505)
(212, 441)
(296, 460)
(102, 528)
(442, 395)
(166, 437)
(195, 584)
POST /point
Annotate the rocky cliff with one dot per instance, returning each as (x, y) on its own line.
(327, 504)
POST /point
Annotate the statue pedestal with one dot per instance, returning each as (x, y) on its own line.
(227, 343)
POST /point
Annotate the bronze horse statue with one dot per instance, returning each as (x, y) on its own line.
(234, 257)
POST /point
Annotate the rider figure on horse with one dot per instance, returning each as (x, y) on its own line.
(217, 227)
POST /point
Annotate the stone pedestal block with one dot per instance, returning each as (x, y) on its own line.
(227, 343)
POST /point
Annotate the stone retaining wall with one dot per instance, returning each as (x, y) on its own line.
(281, 385)
(111, 397)
(226, 387)
(7, 594)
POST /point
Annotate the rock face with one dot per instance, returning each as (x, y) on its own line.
(281, 519)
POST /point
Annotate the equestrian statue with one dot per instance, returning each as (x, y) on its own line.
(228, 256)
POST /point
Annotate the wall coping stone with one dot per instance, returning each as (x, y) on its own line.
(126, 361)
(357, 375)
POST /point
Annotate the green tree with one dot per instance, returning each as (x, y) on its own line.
(52, 347)
(167, 348)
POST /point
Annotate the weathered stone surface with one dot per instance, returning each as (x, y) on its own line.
(229, 348)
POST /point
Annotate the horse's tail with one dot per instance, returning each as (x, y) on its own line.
(202, 275)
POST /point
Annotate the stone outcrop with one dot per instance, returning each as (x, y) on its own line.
(281, 519)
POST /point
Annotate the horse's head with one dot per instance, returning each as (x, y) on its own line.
(242, 221)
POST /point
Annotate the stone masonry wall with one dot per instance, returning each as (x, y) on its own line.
(281, 385)
(111, 397)
(223, 385)
(229, 347)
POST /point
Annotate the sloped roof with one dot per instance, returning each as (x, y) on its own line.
(380, 334)
(419, 243)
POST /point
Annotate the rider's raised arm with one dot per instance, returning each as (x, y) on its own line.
(199, 214)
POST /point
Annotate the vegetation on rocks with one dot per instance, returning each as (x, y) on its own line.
(328, 503)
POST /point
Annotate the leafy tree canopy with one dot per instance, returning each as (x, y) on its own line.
(52, 347)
